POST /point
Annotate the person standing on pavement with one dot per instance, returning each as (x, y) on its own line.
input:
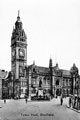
(26, 98)
(4, 101)
(61, 100)
(70, 102)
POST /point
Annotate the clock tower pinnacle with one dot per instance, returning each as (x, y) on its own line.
(18, 51)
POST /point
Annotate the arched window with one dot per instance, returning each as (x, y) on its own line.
(40, 83)
(63, 91)
(44, 80)
(70, 91)
(66, 82)
(33, 69)
(57, 82)
(67, 91)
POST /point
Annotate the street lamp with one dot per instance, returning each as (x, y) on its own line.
(27, 82)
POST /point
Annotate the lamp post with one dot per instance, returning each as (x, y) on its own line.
(27, 82)
(51, 83)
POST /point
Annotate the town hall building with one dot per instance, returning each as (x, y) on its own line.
(33, 80)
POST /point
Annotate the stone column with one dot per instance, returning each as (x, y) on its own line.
(29, 84)
(74, 84)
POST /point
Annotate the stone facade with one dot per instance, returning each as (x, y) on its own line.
(32, 79)
(38, 78)
(3, 85)
(19, 58)
(53, 84)
(75, 80)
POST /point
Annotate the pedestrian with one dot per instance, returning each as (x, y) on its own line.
(4, 101)
(26, 98)
(70, 102)
(61, 100)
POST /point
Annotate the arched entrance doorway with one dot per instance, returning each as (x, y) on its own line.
(40, 83)
(58, 92)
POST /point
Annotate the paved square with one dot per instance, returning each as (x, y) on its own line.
(45, 110)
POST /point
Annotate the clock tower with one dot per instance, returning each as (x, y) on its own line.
(19, 57)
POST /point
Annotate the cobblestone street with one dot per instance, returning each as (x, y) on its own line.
(49, 110)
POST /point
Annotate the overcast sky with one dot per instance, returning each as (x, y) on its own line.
(52, 28)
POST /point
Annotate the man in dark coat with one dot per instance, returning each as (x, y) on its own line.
(70, 102)
(61, 100)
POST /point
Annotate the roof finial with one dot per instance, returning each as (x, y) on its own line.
(50, 62)
(50, 56)
(18, 17)
(18, 13)
(34, 62)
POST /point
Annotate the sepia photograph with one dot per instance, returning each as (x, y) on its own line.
(39, 60)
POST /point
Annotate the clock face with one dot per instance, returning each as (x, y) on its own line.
(21, 52)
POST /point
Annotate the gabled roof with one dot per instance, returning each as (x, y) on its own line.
(55, 70)
(3, 74)
(39, 68)
(42, 69)
(65, 72)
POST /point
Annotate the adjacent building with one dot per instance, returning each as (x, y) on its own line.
(3, 84)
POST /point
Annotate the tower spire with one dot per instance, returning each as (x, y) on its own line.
(50, 63)
(18, 17)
